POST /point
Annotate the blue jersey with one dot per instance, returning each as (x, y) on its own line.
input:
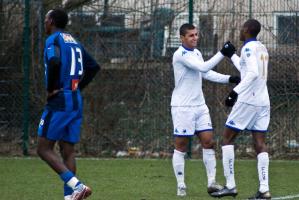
(73, 61)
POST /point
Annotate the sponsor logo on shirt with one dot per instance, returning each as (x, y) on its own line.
(75, 83)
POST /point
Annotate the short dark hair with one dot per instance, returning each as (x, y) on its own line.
(254, 27)
(185, 27)
(59, 17)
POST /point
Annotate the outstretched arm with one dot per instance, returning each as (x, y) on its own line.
(196, 64)
(216, 77)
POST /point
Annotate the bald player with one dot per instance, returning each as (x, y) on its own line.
(250, 111)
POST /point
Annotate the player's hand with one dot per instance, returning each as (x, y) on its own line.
(228, 49)
(52, 94)
(231, 99)
(234, 79)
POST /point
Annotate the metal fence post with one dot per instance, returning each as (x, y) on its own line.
(189, 151)
(191, 11)
(26, 63)
(250, 9)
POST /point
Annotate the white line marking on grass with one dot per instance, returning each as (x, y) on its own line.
(286, 197)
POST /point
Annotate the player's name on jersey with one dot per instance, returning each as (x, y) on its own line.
(68, 38)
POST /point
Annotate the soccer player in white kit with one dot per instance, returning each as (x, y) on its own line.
(251, 110)
(190, 114)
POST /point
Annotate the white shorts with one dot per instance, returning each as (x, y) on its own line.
(188, 120)
(250, 117)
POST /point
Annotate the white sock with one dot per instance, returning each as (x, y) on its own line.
(72, 182)
(263, 169)
(208, 157)
(228, 159)
(67, 197)
(178, 163)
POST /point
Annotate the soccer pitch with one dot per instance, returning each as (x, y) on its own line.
(138, 179)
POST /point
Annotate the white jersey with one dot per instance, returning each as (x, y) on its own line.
(189, 69)
(253, 66)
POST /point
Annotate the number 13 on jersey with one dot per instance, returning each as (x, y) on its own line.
(76, 67)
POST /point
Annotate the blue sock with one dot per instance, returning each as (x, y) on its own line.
(67, 190)
(66, 176)
(69, 179)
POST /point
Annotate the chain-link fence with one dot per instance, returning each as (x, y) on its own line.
(127, 107)
(11, 75)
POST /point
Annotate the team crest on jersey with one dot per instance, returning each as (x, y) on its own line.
(247, 52)
(184, 52)
(68, 38)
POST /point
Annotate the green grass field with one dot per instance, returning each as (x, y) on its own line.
(136, 179)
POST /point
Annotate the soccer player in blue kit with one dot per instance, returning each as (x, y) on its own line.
(251, 110)
(68, 69)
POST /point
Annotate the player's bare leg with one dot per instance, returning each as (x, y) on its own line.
(228, 158)
(209, 159)
(45, 151)
(259, 142)
(262, 165)
(178, 163)
(67, 152)
(229, 136)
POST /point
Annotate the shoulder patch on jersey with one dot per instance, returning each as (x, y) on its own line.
(184, 52)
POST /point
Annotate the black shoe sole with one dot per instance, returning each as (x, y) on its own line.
(226, 195)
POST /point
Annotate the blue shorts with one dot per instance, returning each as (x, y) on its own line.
(61, 125)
